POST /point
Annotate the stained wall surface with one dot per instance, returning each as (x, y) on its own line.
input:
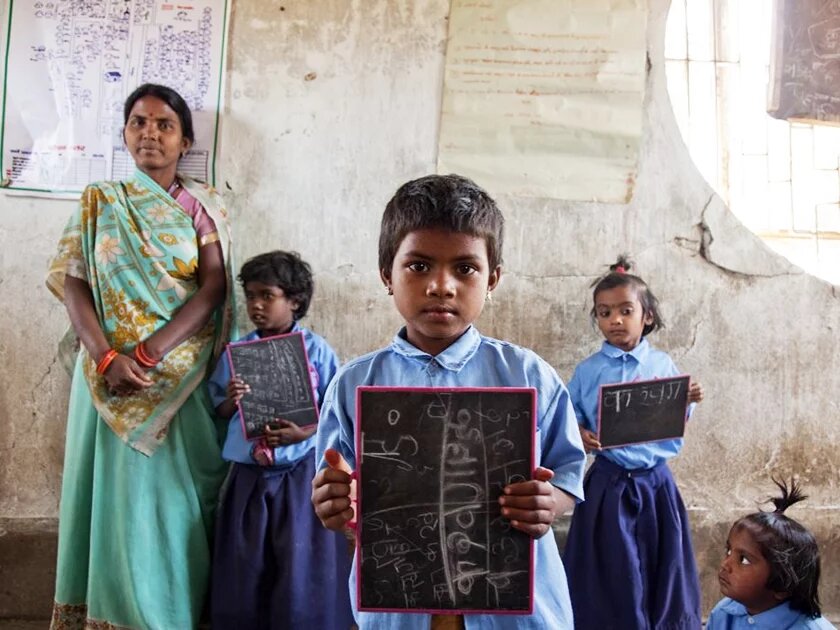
(330, 105)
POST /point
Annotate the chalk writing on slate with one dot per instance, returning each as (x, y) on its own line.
(432, 465)
(642, 411)
(277, 371)
(805, 61)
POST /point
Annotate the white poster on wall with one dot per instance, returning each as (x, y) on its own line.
(543, 98)
(70, 64)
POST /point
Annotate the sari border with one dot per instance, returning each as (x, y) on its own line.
(75, 617)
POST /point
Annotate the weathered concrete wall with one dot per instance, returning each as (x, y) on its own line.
(331, 105)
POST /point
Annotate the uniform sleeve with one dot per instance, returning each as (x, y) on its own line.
(575, 396)
(326, 366)
(335, 426)
(218, 381)
(560, 445)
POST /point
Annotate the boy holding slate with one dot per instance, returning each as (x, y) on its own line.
(629, 557)
(440, 254)
(272, 558)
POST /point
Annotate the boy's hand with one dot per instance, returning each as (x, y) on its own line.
(695, 393)
(236, 389)
(332, 489)
(590, 440)
(284, 432)
(533, 505)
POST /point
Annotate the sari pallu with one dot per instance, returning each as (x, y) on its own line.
(141, 473)
(137, 250)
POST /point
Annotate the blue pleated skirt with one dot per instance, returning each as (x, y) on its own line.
(628, 557)
(275, 566)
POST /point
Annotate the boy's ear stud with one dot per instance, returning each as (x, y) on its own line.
(389, 290)
(488, 297)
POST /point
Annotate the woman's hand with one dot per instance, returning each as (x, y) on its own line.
(124, 377)
(283, 432)
(533, 505)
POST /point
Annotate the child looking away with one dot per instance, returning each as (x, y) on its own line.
(272, 558)
(770, 573)
(629, 556)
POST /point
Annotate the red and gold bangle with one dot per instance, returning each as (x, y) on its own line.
(106, 361)
(142, 357)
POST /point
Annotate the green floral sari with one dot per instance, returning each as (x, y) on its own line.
(141, 472)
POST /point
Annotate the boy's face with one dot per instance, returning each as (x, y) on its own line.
(269, 308)
(744, 573)
(440, 280)
(620, 317)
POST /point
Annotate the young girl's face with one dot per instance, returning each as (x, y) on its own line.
(440, 280)
(620, 316)
(269, 308)
(744, 573)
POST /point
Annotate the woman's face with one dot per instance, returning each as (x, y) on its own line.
(154, 136)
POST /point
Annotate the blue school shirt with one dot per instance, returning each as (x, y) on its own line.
(732, 615)
(323, 364)
(613, 365)
(472, 361)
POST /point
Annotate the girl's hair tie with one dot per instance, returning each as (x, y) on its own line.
(620, 269)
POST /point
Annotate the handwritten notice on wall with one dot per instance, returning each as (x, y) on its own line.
(432, 466)
(543, 98)
(70, 66)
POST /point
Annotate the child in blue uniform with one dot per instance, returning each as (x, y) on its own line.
(440, 253)
(770, 574)
(629, 557)
(274, 566)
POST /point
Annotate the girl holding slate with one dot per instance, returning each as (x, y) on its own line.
(272, 559)
(440, 254)
(628, 557)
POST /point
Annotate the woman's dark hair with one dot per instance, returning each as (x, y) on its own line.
(285, 270)
(447, 202)
(789, 548)
(619, 276)
(168, 96)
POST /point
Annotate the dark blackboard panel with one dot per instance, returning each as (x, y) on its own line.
(642, 411)
(432, 465)
(805, 61)
(277, 370)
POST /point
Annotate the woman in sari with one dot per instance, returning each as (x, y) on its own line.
(142, 269)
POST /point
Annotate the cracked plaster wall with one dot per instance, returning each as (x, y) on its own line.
(330, 106)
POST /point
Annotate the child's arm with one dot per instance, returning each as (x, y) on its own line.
(533, 505)
(590, 440)
(236, 389)
(284, 432)
(331, 492)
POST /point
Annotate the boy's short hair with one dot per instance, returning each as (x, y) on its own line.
(285, 270)
(447, 202)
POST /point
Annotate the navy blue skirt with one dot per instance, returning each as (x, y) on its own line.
(275, 566)
(629, 558)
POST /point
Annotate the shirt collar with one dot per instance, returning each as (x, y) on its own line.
(255, 334)
(640, 352)
(781, 616)
(453, 358)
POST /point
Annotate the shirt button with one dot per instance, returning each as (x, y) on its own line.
(750, 620)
